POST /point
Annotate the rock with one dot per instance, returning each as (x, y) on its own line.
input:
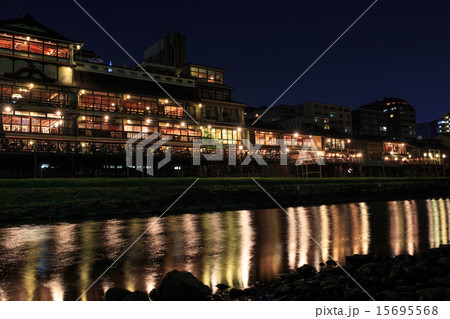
(250, 291)
(236, 293)
(222, 286)
(306, 271)
(389, 295)
(181, 286)
(116, 294)
(434, 294)
(322, 264)
(368, 269)
(331, 263)
(396, 274)
(137, 296)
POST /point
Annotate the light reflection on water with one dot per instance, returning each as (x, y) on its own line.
(59, 261)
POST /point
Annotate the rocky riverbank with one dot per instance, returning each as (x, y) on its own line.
(423, 276)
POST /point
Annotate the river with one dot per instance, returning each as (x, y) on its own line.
(59, 261)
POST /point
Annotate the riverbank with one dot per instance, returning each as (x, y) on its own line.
(44, 199)
(423, 276)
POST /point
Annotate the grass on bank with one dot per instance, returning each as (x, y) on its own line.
(61, 198)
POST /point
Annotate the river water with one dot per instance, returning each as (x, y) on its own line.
(59, 261)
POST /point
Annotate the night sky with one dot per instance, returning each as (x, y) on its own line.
(399, 48)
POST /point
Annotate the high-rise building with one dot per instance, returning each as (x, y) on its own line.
(323, 115)
(369, 122)
(400, 117)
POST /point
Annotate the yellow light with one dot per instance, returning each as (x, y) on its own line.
(239, 129)
(83, 91)
(83, 144)
(8, 109)
(287, 150)
(200, 105)
(443, 156)
(78, 47)
(58, 113)
(31, 85)
(148, 108)
(128, 121)
(201, 127)
(386, 158)
(403, 159)
(60, 121)
(240, 147)
(148, 121)
(28, 38)
(83, 118)
(310, 136)
(209, 126)
(166, 101)
(424, 154)
(113, 104)
(395, 159)
(69, 69)
(167, 124)
(31, 142)
(183, 124)
(106, 117)
(295, 134)
(128, 97)
(349, 141)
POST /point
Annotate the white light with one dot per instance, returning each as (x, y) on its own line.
(209, 126)
(240, 147)
(239, 129)
(166, 101)
(106, 117)
(83, 118)
(148, 121)
(183, 124)
(31, 85)
(200, 105)
(129, 121)
(78, 47)
(83, 91)
(424, 154)
(58, 113)
(443, 156)
(295, 134)
(8, 109)
(287, 150)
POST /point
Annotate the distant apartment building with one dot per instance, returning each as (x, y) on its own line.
(324, 115)
(367, 122)
(400, 117)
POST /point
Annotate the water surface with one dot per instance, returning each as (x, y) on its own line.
(59, 261)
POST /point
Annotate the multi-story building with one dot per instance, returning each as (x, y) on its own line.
(443, 124)
(369, 123)
(61, 111)
(323, 115)
(400, 117)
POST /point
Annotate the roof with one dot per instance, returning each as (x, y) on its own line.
(27, 25)
(117, 84)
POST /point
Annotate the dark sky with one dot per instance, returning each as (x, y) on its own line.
(399, 48)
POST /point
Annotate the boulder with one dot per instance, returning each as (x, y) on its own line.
(180, 286)
(306, 270)
(116, 294)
